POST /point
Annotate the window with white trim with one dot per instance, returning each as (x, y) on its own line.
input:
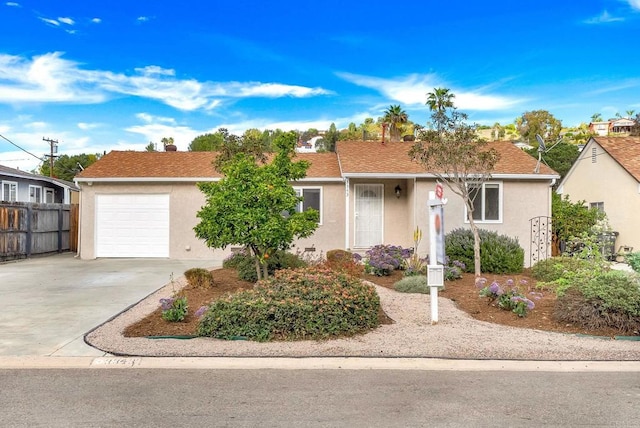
(49, 195)
(9, 191)
(35, 194)
(311, 198)
(597, 205)
(487, 202)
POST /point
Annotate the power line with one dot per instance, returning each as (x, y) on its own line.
(24, 150)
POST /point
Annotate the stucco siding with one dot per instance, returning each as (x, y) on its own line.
(185, 201)
(521, 201)
(330, 234)
(606, 181)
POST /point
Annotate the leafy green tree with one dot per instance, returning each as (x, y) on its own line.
(150, 147)
(539, 122)
(572, 219)
(66, 167)
(207, 142)
(328, 142)
(257, 139)
(630, 113)
(497, 132)
(351, 133)
(596, 117)
(254, 205)
(454, 154)
(396, 118)
(559, 157)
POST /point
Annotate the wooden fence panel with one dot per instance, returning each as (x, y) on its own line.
(27, 229)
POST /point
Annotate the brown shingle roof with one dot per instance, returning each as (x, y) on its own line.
(196, 165)
(392, 158)
(625, 150)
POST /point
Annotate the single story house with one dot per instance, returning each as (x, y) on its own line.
(606, 175)
(21, 186)
(144, 204)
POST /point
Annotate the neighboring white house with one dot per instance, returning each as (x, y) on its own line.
(606, 175)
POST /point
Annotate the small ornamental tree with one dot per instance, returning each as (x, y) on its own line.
(255, 206)
(454, 154)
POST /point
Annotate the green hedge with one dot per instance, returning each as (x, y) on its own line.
(308, 303)
(498, 253)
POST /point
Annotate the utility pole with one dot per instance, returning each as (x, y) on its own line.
(53, 145)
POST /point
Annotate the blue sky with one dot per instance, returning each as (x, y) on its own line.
(101, 76)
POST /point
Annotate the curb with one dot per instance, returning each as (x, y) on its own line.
(329, 363)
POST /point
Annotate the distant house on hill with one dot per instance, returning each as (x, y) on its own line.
(612, 126)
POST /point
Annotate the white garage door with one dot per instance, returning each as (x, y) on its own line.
(132, 225)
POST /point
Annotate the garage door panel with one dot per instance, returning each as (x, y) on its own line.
(132, 226)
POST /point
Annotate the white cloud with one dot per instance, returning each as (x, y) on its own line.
(151, 70)
(143, 19)
(635, 4)
(37, 125)
(88, 126)
(274, 90)
(50, 78)
(96, 20)
(50, 21)
(45, 78)
(154, 132)
(67, 21)
(148, 118)
(413, 90)
(603, 18)
(13, 4)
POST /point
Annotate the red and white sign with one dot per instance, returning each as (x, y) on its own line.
(439, 191)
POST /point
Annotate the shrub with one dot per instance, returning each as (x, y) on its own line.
(498, 253)
(174, 309)
(412, 284)
(345, 262)
(199, 278)
(308, 303)
(555, 268)
(280, 259)
(609, 299)
(633, 260)
(234, 259)
(507, 297)
(383, 259)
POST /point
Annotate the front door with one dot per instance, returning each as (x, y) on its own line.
(368, 215)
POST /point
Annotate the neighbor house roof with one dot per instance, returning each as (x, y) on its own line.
(185, 166)
(624, 150)
(16, 173)
(367, 157)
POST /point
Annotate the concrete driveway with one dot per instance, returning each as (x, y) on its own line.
(47, 304)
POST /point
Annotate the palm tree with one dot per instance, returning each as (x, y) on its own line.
(630, 113)
(440, 99)
(395, 117)
(596, 117)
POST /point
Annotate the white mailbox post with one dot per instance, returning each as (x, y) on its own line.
(435, 271)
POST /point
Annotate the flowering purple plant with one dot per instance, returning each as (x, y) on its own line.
(383, 259)
(510, 299)
(201, 311)
(167, 303)
(174, 309)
